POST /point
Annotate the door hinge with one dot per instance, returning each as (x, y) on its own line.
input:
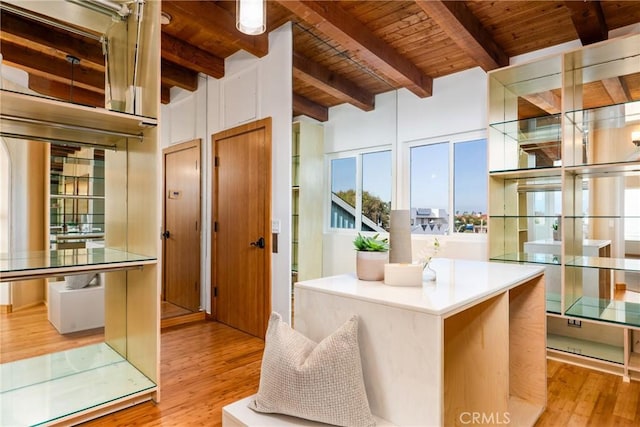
(217, 161)
(215, 291)
(215, 227)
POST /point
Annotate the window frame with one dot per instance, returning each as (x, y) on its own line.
(358, 154)
(404, 196)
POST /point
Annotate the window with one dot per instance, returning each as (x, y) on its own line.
(343, 193)
(438, 168)
(470, 186)
(376, 191)
(430, 189)
(367, 206)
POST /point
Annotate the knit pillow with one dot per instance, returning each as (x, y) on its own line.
(79, 281)
(316, 381)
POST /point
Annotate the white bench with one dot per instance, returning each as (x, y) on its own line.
(72, 310)
(238, 414)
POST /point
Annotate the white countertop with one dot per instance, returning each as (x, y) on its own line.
(460, 283)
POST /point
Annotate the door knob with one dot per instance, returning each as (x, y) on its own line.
(258, 243)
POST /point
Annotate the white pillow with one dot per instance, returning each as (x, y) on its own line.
(79, 281)
(320, 382)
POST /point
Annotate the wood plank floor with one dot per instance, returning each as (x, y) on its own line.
(205, 365)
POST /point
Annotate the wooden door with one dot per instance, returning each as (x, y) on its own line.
(241, 269)
(181, 249)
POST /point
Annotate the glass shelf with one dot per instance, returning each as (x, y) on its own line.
(35, 264)
(523, 216)
(543, 129)
(77, 160)
(622, 168)
(551, 172)
(532, 258)
(608, 116)
(49, 388)
(627, 264)
(580, 347)
(622, 312)
(553, 303)
(41, 118)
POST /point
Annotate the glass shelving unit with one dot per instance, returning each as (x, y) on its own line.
(79, 384)
(564, 149)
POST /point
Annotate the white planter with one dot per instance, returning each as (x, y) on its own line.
(370, 265)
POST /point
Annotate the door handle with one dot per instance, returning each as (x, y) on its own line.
(258, 243)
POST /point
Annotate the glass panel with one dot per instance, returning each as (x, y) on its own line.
(605, 135)
(587, 348)
(535, 142)
(525, 124)
(343, 193)
(77, 188)
(430, 189)
(376, 191)
(470, 186)
(36, 391)
(66, 259)
(627, 313)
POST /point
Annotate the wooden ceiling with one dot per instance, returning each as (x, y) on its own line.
(344, 51)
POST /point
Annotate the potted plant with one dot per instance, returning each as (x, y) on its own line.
(372, 255)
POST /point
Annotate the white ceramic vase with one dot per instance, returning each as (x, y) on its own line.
(370, 265)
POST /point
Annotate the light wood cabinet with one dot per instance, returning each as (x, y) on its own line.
(470, 345)
(562, 155)
(307, 200)
(86, 382)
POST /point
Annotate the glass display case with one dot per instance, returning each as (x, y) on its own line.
(115, 193)
(564, 192)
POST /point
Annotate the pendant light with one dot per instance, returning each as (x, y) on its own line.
(250, 17)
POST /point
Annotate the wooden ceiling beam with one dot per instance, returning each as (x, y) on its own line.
(189, 56)
(588, 20)
(165, 94)
(466, 31)
(54, 68)
(207, 14)
(335, 85)
(85, 48)
(617, 90)
(59, 90)
(546, 101)
(362, 44)
(175, 75)
(304, 106)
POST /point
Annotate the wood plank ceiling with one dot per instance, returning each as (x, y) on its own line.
(344, 51)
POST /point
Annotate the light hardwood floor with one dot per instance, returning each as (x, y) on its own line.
(205, 365)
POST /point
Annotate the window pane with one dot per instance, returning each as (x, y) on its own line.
(376, 191)
(470, 186)
(430, 189)
(343, 193)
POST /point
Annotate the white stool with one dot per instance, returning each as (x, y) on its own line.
(72, 310)
(238, 414)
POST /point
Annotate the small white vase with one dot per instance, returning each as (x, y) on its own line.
(370, 265)
(429, 274)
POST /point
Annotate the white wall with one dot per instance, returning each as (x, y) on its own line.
(252, 88)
